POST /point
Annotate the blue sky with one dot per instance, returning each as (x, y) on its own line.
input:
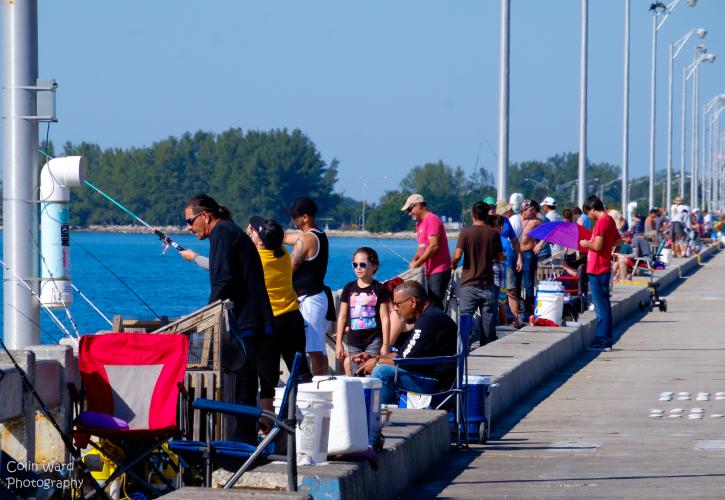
(383, 86)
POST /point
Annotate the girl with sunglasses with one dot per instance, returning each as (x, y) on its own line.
(363, 311)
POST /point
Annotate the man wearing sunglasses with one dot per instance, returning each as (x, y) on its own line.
(432, 250)
(434, 334)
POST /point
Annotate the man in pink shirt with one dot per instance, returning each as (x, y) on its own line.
(432, 250)
(599, 268)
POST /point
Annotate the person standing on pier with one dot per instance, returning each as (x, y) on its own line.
(235, 273)
(432, 250)
(310, 252)
(479, 245)
(529, 251)
(599, 268)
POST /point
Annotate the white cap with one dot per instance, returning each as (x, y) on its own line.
(549, 202)
(515, 200)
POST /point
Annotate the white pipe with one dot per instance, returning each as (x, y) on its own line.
(56, 179)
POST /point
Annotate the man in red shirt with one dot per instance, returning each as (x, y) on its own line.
(599, 268)
(432, 250)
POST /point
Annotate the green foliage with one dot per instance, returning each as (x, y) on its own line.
(387, 216)
(257, 173)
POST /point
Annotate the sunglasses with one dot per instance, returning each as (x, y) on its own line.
(398, 304)
(361, 265)
(190, 222)
(410, 209)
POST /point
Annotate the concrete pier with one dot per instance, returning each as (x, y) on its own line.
(590, 431)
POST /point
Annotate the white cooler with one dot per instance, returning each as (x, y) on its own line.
(348, 420)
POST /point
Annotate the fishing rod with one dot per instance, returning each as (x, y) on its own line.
(168, 242)
(76, 454)
(35, 296)
(473, 180)
(55, 285)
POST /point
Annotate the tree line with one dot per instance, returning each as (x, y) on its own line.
(261, 172)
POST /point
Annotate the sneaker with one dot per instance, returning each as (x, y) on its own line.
(599, 345)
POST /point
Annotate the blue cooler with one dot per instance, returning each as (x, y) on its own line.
(478, 387)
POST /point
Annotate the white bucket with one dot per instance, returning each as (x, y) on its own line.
(549, 305)
(314, 408)
(348, 422)
(666, 256)
(313, 429)
(550, 286)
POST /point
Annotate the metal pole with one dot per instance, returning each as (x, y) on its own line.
(583, 103)
(625, 125)
(668, 192)
(693, 181)
(653, 89)
(503, 101)
(683, 128)
(696, 136)
(20, 172)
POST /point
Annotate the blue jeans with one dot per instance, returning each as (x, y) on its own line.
(485, 297)
(599, 290)
(528, 280)
(408, 381)
(437, 284)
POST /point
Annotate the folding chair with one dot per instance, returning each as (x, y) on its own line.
(210, 451)
(647, 262)
(132, 384)
(440, 400)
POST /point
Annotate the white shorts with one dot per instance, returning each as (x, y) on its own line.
(314, 312)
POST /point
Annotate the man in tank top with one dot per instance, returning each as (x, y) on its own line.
(310, 252)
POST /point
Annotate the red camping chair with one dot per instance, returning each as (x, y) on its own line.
(132, 383)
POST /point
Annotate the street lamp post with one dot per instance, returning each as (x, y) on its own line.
(675, 49)
(625, 125)
(693, 72)
(503, 101)
(583, 101)
(687, 73)
(660, 14)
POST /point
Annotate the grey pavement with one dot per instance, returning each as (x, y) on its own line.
(587, 431)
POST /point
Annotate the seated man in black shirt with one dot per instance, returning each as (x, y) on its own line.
(434, 334)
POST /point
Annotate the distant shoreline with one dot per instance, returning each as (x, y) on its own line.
(136, 229)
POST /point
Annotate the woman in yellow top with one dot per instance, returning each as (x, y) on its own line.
(288, 332)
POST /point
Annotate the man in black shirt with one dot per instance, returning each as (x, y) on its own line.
(235, 273)
(434, 334)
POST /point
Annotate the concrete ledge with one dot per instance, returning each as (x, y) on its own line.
(414, 441)
(189, 493)
(522, 360)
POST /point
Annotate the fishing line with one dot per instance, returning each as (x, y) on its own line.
(118, 278)
(379, 240)
(55, 285)
(91, 304)
(35, 296)
(35, 323)
(165, 239)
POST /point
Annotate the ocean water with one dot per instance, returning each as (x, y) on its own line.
(167, 284)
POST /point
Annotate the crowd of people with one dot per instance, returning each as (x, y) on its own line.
(281, 305)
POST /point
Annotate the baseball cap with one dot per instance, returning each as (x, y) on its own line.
(489, 200)
(303, 206)
(412, 200)
(269, 231)
(515, 201)
(549, 202)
